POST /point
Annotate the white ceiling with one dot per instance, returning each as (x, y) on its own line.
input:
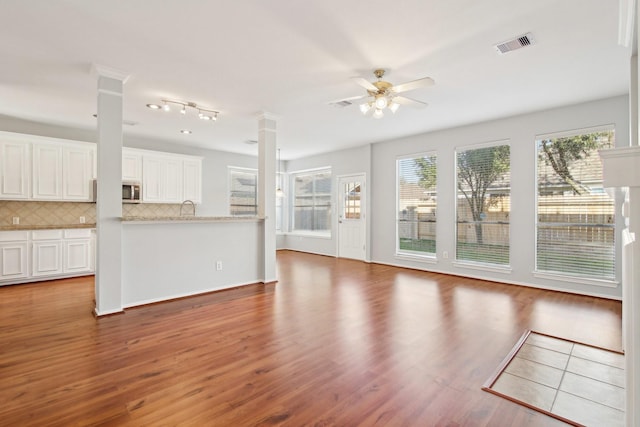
(291, 58)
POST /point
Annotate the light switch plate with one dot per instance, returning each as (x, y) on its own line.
(16, 220)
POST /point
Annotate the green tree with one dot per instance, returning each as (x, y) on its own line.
(477, 170)
(562, 153)
(426, 170)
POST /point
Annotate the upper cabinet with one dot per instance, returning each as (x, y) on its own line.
(131, 165)
(62, 171)
(47, 172)
(40, 168)
(171, 178)
(15, 160)
(77, 172)
(192, 180)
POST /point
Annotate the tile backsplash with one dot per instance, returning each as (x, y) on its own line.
(68, 213)
(151, 209)
(46, 213)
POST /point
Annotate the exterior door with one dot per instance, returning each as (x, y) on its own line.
(352, 235)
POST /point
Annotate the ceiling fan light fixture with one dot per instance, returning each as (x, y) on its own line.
(381, 102)
(166, 107)
(378, 114)
(365, 107)
(393, 106)
(154, 106)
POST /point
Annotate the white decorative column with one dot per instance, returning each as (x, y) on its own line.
(267, 192)
(621, 167)
(109, 194)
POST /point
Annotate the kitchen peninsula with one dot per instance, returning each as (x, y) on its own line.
(166, 257)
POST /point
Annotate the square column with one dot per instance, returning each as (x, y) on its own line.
(267, 193)
(109, 191)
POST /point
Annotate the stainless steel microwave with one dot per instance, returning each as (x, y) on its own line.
(131, 191)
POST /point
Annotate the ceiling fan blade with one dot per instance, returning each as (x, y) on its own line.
(364, 83)
(403, 100)
(416, 84)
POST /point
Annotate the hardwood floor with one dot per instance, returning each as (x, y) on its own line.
(334, 342)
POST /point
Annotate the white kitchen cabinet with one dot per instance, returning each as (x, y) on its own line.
(131, 165)
(15, 159)
(47, 171)
(62, 172)
(77, 169)
(151, 179)
(161, 179)
(14, 256)
(28, 256)
(77, 251)
(46, 254)
(192, 180)
(172, 176)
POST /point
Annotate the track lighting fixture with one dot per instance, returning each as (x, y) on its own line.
(203, 113)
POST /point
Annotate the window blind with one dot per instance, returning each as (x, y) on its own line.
(575, 216)
(483, 205)
(312, 201)
(243, 186)
(417, 203)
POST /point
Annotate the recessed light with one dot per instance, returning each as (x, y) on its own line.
(154, 106)
(186, 131)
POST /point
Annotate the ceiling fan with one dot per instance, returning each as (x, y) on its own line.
(382, 94)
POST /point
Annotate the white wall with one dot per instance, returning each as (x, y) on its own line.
(343, 162)
(171, 260)
(520, 131)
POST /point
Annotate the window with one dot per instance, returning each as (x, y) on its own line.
(312, 201)
(416, 221)
(575, 217)
(280, 199)
(483, 205)
(243, 187)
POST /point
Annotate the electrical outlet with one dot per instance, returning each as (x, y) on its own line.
(82, 220)
(445, 255)
(16, 220)
(218, 265)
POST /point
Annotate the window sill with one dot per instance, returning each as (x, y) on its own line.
(483, 267)
(316, 235)
(577, 279)
(430, 259)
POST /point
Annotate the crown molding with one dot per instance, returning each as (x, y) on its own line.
(109, 72)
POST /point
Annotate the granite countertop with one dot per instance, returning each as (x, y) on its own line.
(45, 227)
(189, 218)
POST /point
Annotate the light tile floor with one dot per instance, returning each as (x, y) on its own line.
(577, 382)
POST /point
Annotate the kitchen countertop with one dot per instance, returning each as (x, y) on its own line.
(45, 227)
(187, 219)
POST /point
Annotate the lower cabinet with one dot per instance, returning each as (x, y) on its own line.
(46, 254)
(77, 251)
(43, 254)
(14, 255)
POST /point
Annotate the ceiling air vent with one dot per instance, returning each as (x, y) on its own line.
(514, 44)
